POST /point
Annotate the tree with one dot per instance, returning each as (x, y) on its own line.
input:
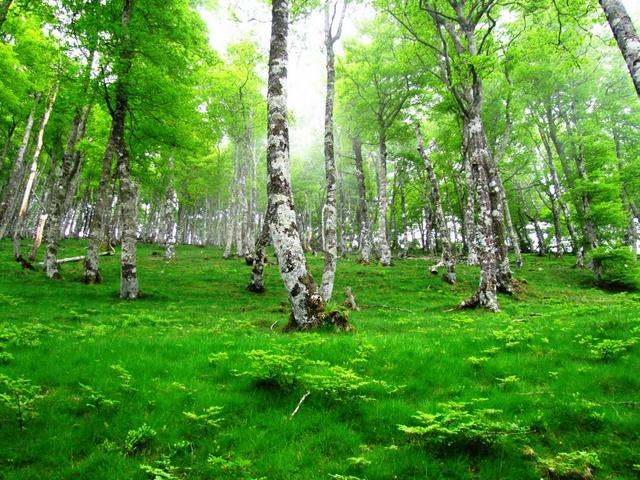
(626, 36)
(332, 32)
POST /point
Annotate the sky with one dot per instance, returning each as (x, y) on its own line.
(235, 20)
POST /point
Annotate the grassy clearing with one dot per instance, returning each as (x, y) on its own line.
(125, 386)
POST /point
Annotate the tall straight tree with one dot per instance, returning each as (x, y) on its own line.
(128, 191)
(307, 304)
(332, 20)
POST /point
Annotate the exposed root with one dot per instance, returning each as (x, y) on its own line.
(479, 300)
(252, 287)
(24, 262)
(338, 319)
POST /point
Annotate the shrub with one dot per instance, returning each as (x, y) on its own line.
(578, 464)
(138, 439)
(458, 427)
(616, 267)
(19, 396)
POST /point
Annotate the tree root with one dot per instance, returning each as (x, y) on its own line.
(24, 262)
(338, 319)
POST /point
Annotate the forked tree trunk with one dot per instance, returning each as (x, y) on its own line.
(306, 300)
(626, 36)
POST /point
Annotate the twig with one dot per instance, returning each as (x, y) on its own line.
(304, 397)
(273, 325)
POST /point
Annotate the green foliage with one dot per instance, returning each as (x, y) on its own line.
(124, 376)
(282, 370)
(95, 399)
(233, 467)
(138, 439)
(616, 267)
(608, 348)
(570, 465)
(19, 396)
(457, 427)
(161, 470)
(209, 418)
(337, 384)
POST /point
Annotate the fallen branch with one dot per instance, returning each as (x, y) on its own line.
(78, 258)
(304, 397)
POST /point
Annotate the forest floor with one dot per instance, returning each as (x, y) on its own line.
(124, 389)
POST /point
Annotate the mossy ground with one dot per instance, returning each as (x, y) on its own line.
(566, 397)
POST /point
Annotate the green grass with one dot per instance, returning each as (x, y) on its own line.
(63, 334)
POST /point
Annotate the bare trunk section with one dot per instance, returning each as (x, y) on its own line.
(383, 244)
(232, 209)
(10, 193)
(486, 296)
(469, 217)
(259, 258)
(17, 231)
(4, 9)
(441, 223)
(169, 213)
(363, 216)
(306, 301)
(99, 220)
(128, 191)
(626, 36)
(330, 229)
(63, 174)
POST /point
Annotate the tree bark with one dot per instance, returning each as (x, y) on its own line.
(364, 238)
(4, 10)
(99, 220)
(128, 192)
(60, 185)
(169, 221)
(626, 36)
(330, 209)
(17, 231)
(441, 223)
(486, 296)
(10, 193)
(383, 244)
(306, 301)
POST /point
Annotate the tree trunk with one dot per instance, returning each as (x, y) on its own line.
(383, 244)
(469, 216)
(128, 191)
(59, 188)
(441, 223)
(17, 232)
(331, 215)
(169, 221)
(626, 36)
(486, 296)
(364, 238)
(101, 215)
(306, 301)
(259, 258)
(4, 9)
(10, 193)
